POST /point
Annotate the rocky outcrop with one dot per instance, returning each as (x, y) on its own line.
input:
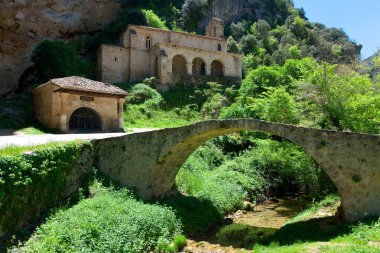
(26, 23)
(228, 11)
(237, 10)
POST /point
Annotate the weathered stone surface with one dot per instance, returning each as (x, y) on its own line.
(149, 162)
(26, 23)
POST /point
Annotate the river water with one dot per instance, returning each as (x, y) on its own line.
(247, 227)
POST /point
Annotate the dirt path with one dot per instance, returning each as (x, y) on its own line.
(32, 140)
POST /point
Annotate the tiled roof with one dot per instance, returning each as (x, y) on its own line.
(76, 83)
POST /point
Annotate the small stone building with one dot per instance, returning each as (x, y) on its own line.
(173, 57)
(77, 104)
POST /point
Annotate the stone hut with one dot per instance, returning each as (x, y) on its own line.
(173, 57)
(77, 104)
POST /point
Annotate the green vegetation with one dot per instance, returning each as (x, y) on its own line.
(32, 183)
(14, 150)
(323, 234)
(328, 201)
(57, 59)
(295, 72)
(315, 95)
(146, 107)
(110, 221)
(154, 20)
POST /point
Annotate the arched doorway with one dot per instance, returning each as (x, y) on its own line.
(217, 69)
(179, 65)
(85, 119)
(199, 67)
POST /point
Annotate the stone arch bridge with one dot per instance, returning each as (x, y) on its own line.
(150, 161)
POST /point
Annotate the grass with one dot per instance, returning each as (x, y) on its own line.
(140, 116)
(14, 150)
(328, 201)
(307, 234)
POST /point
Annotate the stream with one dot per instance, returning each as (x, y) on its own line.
(247, 227)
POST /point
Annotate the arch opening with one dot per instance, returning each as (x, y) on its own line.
(217, 69)
(219, 47)
(199, 67)
(179, 65)
(85, 119)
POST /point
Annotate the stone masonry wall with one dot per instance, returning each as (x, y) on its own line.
(149, 162)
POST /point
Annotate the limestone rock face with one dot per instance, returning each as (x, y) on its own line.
(26, 23)
(228, 11)
(237, 10)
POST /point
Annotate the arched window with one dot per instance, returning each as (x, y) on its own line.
(219, 47)
(85, 119)
(217, 69)
(179, 65)
(199, 67)
(148, 41)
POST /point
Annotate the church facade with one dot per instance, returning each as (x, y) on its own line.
(172, 57)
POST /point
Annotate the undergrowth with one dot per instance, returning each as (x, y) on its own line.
(31, 183)
(111, 221)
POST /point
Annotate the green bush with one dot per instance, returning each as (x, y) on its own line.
(55, 59)
(196, 215)
(154, 20)
(109, 222)
(142, 93)
(32, 183)
(180, 242)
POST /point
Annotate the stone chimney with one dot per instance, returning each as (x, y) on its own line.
(215, 28)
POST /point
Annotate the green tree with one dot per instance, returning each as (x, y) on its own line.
(232, 45)
(55, 59)
(154, 20)
(259, 79)
(275, 105)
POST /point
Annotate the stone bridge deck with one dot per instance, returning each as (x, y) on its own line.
(150, 161)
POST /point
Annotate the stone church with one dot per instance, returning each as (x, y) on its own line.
(172, 57)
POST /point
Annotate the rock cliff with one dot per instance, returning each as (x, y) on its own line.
(25, 23)
(237, 10)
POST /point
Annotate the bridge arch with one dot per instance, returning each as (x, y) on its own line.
(152, 160)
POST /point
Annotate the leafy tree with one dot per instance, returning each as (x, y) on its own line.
(232, 45)
(192, 12)
(262, 27)
(55, 59)
(248, 44)
(275, 105)
(238, 30)
(259, 79)
(154, 20)
(298, 27)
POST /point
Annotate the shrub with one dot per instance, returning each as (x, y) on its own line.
(142, 93)
(32, 183)
(180, 242)
(154, 20)
(57, 59)
(213, 106)
(109, 222)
